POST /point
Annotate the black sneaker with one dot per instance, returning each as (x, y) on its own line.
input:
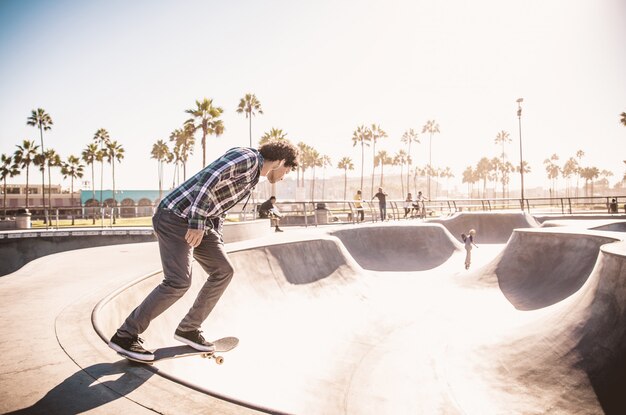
(130, 346)
(278, 229)
(194, 339)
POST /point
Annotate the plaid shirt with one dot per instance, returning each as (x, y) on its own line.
(205, 198)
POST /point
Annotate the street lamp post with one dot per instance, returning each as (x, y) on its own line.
(521, 158)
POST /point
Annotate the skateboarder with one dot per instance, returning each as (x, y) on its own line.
(188, 221)
(469, 241)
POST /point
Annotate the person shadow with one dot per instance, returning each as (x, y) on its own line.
(90, 388)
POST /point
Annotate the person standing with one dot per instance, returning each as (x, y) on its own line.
(382, 203)
(408, 204)
(468, 240)
(358, 198)
(421, 204)
(188, 224)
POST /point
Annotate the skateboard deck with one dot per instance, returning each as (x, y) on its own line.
(222, 345)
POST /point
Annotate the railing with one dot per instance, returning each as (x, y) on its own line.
(322, 212)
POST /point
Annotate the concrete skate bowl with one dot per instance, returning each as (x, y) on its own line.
(399, 248)
(320, 334)
(540, 268)
(570, 355)
(491, 228)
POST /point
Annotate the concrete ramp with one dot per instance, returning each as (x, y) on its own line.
(567, 358)
(539, 268)
(365, 321)
(490, 227)
(414, 247)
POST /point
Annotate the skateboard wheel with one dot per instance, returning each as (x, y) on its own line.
(219, 360)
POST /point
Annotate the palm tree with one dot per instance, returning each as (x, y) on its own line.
(501, 138)
(569, 168)
(526, 167)
(431, 127)
(382, 158)
(207, 116)
(377, 133)
(273, 134)
(326, 162)
(41, 119)
(363, 136)
(184, 142)
(249, 105)
(162, 154)
(114, 151)
(400, 159)
(72, 168)
(589, 174)
(315, 160)
(469, 177)
(101, 137)
(553, 170)
(579, 156)
(345, 164)
(51, 159)
(23, 157)
(482, 171)
(447, 174)
(409, 136)
(90, 156)
(7, 169)
(507, 169)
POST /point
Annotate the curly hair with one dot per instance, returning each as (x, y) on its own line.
(281, 150)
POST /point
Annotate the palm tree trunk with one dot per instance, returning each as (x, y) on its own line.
(43, 178)
(362, 163)
(113, 177)
(203, 148)
(49, 188)
(93, 191)
(27, 190)
(373, 166)
(250, 124)
(4, 202)
(160, 180)
(72, 198)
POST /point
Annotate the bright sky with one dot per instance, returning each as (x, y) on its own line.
(320, 69)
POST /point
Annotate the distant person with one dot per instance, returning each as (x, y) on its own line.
(468, 240)
(382, 203)
(420, 201)
(408, 204)
(358, 198)
(188, 224)
(269, 210)
(613, 206)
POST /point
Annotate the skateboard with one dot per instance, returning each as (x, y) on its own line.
(222, 345)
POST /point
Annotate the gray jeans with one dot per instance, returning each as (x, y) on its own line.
(176, 258)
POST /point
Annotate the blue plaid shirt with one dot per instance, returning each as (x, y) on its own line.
(205, 198)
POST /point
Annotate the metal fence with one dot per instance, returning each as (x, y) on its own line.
(323, 212)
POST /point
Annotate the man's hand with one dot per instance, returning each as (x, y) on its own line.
(194, 237)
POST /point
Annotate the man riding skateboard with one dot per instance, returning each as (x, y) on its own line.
(187, 222)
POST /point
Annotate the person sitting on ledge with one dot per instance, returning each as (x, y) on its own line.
(269, 210)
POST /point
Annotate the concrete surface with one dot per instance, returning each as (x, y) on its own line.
(375, 318)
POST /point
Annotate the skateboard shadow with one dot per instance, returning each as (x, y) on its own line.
(90, 388)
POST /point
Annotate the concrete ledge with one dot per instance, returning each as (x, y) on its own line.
(18, 247)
